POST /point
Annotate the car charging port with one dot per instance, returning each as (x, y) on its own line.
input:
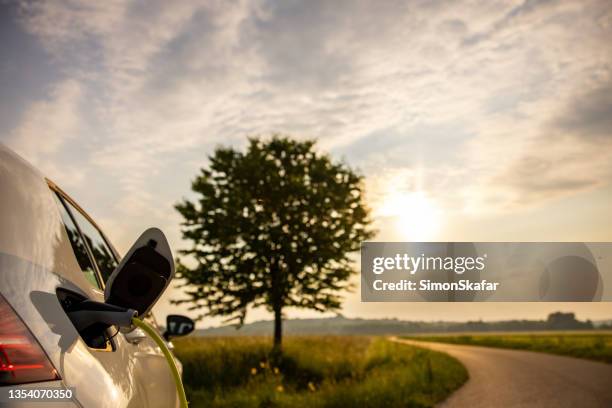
(93, 320)
(89, 313)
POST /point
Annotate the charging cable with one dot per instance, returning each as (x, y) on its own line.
(169, 357)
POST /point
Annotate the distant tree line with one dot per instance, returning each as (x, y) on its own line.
(343, 326)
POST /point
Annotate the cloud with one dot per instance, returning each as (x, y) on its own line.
(536, 178)
(47, 126)
(589, 115)
(467, 99)
(570, 153)
(526, 9)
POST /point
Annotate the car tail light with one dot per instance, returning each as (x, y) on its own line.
(22, 360)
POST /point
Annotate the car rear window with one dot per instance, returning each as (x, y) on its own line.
(78, 246)
(101, 251)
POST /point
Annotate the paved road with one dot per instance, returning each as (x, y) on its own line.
(510, 378)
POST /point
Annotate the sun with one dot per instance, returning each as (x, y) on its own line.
(417, 218)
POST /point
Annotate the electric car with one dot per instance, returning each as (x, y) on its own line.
(52, 257)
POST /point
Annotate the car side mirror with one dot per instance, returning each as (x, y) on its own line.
(143, 274)
(177, 325)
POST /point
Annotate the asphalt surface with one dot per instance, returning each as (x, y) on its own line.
(511, 378)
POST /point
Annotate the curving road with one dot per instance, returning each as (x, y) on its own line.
(511, 378)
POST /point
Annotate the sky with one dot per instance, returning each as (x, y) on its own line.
(471, 120)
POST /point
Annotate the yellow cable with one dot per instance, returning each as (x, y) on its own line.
(162, 345)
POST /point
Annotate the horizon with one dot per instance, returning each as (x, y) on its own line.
(340, 316)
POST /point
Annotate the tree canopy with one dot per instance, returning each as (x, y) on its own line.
(274, 227)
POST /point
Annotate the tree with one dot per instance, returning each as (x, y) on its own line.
(271, 227)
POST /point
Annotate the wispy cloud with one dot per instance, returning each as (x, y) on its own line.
(489, 106)
(47, 126)
(588, 115)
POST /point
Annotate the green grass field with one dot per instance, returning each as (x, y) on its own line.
(590, 345)
(322, 371)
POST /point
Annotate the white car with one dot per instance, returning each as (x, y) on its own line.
(53, 256)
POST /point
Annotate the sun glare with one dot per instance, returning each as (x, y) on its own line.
(416, 217)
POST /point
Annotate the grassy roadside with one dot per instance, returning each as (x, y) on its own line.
(588, 345)
(322, 371)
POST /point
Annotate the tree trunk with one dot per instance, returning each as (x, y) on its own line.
(278, 328)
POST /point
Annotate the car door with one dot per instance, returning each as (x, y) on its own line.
(132, 359)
